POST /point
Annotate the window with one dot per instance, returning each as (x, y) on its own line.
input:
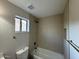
(21, 24)
(17, 24)
(24, 25)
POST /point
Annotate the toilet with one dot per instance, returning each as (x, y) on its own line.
(22, 53)
(2, 56)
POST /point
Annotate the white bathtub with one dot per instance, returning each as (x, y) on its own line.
(46, 54)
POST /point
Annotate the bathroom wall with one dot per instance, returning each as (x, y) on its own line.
(9, 45)
(66, 32)
(33, 32)
(74, 26)
(50, 33)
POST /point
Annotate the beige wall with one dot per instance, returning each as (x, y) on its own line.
(50, 33)
(33, 32)
(9, 45)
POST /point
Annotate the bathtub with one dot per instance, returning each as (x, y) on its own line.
(41, 53)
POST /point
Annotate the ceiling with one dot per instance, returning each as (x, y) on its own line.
(42, 8)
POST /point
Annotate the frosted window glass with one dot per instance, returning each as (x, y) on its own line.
(28, 25)
(17, 25)
(24, 23)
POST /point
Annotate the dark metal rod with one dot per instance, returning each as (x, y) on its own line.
(73, 45)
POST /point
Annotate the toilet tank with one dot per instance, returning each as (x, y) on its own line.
(22, 53)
